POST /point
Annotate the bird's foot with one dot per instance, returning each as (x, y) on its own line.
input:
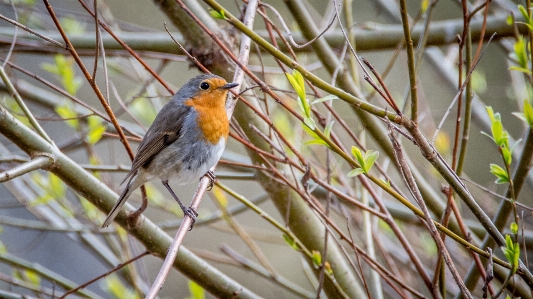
(191, 213)
(212, 177)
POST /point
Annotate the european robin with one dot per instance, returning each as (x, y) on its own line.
(185, 140)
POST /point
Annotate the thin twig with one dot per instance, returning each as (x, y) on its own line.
(33, 32)
(118, 267)
(471, 71)
(37, 163)
(413, 188)
(288, 31)
(23, 106)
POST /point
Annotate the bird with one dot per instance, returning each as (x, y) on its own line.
(185, 140)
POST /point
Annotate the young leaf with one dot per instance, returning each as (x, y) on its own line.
(300, 80)
(291, 242)
(310, 132)
(310, 122)
(500, 173)
(507, 156)
(497, 133)
(524, 13)
(521, 53)
(218, 15)
(295, 81)
(317, 258)
(511, 252)
(316, 141)
(32, 277)
(324, 99)
(327, 129)
(370, 158)
(527, 115)
(197, 292)
(520, 69)
(490, 112)
(96, 129)
(356, 152)
(424, 6)
(67, 112)
(355, 172)
(514, 228)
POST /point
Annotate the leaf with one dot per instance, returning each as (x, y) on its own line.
(65, 73)
(327, 129)
(197, 292)
(356, 152)
(118, 289)
(528, 112)
(511, 252)
(385, 182)
(514, 228)
(500, 173)
(324, 99)
(507, 157)
(316, 141)
(424, 6)
(310, 132)
(370, 158)
(356, 172)
(527, 116)
(317, 258)
(72, 25)
(218, 15)
(300, 79)
(56, 186)
(520, 69)
(310, 122)
(220, 196)
(96, 129)
(67, 112)
(524, 13)
(509, 20)
(295, 82)
(32, 277)
(291, 242)
(490, 112)
(520, 51)
(497, 132)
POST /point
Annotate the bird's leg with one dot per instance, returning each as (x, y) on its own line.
(135, 215)
(144, 204)
(212, 177)
(188, 211)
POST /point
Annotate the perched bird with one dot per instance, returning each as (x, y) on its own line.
(185, 140)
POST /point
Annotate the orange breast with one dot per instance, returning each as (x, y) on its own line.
(212, 118)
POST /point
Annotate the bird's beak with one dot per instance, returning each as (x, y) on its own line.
(229, 86)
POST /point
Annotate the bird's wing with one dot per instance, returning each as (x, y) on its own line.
(165, 129)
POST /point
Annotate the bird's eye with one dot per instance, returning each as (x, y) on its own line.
(204, 85)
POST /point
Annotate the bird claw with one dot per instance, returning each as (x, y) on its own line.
(192, 214)
(212, 177)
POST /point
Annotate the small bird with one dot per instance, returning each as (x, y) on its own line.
(185, 140)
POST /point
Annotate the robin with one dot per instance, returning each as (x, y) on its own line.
(185, 140)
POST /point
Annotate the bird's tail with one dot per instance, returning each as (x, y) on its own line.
(134, 183)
